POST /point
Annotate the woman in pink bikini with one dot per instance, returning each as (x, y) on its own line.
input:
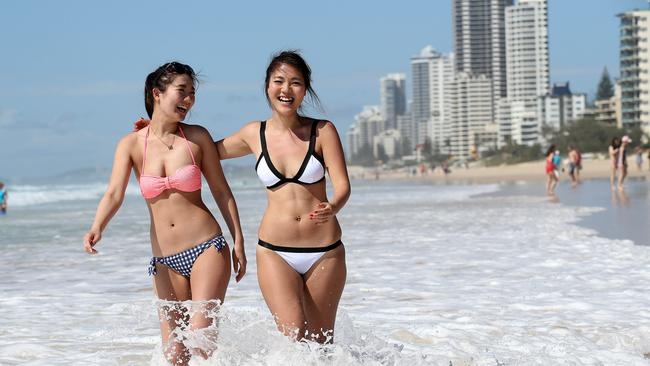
(191, 258)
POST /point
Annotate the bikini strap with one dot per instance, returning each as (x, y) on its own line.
(187, 143)
(262, 137)
(312, 137)
(144, 155)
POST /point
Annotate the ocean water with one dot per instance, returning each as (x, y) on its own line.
(437, 275)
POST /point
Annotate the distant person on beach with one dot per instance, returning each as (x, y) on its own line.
(300, 257)
(574, 165)
(3, 199)
(618, 157)
(445, 167)
(638, 152)
(551, 172)
(191, 257)
(557, 163)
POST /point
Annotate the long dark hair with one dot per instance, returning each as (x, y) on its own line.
(616, 142)
(551, 149)
(292, 58)
(161, 78)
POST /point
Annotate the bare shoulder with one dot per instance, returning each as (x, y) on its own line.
(250, 129)
(326, 129)
(129, 140)
(196, 133)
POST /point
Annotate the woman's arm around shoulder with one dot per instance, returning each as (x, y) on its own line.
(114, 195)
(211, 168)
(239, 143)
(335, 164)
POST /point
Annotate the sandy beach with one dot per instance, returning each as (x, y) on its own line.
(474, 173)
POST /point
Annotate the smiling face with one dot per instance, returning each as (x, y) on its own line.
(286, 89)
(176, 100)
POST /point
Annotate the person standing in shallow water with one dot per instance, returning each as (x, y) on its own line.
(549, 168)
(300, 257)
(3, 199)
(191, 258)
(618, 157)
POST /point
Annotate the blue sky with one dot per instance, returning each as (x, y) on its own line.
(72, 72)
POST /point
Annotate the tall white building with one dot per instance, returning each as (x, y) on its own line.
(392, 95)
(432, 74)
(527, 64)
(352, 137)
(369, 123)
(635, 68)
(441, 77)
(472, 129)
(479, 40)
(408, 132)
(527, 72)
(389, 140)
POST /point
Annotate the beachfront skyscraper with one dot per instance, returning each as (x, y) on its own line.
(472, 129)
(432, 73)
(635, 66)
(527, 75)
(527, 72)
(479, 40)
(392, 98)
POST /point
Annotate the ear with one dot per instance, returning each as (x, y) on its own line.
(156, 93)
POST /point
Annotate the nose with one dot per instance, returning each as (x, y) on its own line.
(285, 87)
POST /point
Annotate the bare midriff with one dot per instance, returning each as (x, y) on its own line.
(286, 220)
(179, 221)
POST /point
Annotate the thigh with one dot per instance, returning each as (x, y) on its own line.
(209, 282)
(173, 287)
(210, 274)
(282, 288)
(324, 284)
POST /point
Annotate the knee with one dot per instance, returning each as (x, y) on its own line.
(177, 354)
(292, 329)
(320, 335)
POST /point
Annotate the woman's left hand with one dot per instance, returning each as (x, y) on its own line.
(322, 213)
(239, 260)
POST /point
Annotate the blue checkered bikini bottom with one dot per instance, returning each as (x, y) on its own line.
(182, 262)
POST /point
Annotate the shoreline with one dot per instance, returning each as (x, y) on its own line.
(528, 171)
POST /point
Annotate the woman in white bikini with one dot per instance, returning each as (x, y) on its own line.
(300, 257)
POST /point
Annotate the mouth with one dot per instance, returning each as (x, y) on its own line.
(286, 100)
(182, 109)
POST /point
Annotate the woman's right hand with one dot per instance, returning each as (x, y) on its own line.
(90, 239)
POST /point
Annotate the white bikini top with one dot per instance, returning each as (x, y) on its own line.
(311, 171)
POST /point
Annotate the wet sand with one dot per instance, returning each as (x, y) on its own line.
(626, 214)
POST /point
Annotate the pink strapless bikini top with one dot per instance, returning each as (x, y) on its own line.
(186, 179)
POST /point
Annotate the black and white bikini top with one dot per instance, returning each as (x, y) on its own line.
(311, 171)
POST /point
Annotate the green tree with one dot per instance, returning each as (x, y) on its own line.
(513, 153)
(589, 135)
(605, 86)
